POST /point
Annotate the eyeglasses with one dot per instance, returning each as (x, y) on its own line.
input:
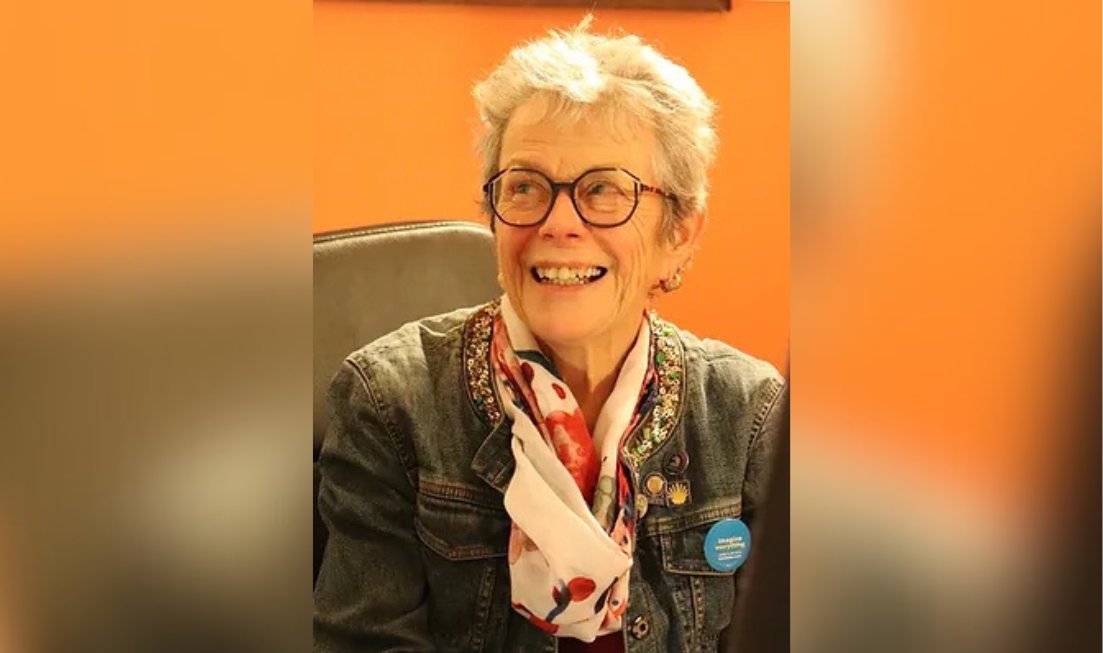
(602, 197)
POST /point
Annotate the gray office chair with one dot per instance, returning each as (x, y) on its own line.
(368, 282)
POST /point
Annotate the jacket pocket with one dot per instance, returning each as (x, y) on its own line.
(682, 536)
(459, 523)
(704, 596)
(465, 533)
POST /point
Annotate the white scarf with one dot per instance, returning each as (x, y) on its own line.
(569, 561)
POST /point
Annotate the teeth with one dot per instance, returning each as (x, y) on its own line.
(567, 276)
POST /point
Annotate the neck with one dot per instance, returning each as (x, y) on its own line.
(590, 369)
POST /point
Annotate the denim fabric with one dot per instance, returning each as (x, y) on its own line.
(413, 476)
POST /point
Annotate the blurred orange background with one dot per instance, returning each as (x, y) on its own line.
(130, 128)
(940, 286)
(394, 129)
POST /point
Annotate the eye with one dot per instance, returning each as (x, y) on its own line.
(522, 188)
(604, 185)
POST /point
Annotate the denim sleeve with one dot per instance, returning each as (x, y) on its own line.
(769, 408)
(371, 592)
(770, 424)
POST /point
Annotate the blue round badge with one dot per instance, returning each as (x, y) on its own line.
(727, 544)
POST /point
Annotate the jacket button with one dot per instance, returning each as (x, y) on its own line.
(640, 627)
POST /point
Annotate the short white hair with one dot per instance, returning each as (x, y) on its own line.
(583, 73)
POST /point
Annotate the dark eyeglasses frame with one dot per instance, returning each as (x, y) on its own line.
(570, 186)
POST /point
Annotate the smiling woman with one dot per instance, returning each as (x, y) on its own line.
(565, 493)
(620, 224)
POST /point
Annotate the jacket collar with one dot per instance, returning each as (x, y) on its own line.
(659, 425)
(494, 460)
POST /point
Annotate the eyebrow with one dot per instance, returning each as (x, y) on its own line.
(529, 164)
(523, 163)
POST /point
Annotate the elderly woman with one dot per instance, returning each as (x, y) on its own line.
(553, 470)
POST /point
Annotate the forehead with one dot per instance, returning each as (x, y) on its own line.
(566, 143)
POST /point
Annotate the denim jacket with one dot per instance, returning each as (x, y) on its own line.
(417, 459)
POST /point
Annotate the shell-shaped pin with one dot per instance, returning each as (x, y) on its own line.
(677, 493)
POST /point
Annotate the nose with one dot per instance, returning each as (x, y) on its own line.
(563, 221)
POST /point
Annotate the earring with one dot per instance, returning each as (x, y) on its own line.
(671, 284)
(501, 281)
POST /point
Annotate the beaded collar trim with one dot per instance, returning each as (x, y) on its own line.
(669, 359)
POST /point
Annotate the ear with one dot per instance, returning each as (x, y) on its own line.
(682, 243)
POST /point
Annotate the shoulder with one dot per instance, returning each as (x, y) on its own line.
(738, 400)
(720, 367)
(414, 345)
(412, 362)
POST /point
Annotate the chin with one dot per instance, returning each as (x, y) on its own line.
(554, 329)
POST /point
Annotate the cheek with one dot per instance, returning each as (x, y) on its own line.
(636, 259)
(510, 248)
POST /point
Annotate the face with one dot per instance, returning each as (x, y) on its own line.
(611, 272)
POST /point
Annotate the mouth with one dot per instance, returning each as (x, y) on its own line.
(567, 276)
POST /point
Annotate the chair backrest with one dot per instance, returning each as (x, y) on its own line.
(368, 282)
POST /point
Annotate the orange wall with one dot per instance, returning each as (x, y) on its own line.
(394, 127)
(128, 127)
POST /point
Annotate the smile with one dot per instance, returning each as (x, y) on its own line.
(567, 276)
